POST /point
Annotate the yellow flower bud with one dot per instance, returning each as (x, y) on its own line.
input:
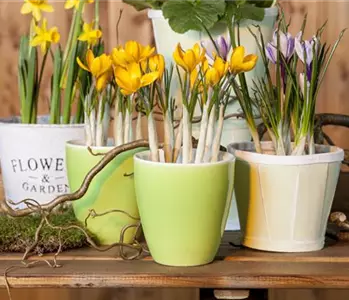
(240, 63)
(130, 79)
(189, 59)
(100, 67)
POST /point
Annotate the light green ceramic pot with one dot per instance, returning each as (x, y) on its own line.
(183, 208)
(111, 189)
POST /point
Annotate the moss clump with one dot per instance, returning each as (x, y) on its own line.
(18, 233)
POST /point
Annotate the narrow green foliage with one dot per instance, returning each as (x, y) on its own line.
(55, 111)
(30, 101)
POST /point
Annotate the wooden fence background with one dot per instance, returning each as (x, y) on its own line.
(136, 26)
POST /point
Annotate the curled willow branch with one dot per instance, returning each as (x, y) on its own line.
(106, 159)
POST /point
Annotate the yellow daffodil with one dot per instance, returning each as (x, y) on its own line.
(100, 67)
(154, 63)
(133, 52)
(35, 7)
(45, 37)
(90, 35)
(241, 63)
(189, 59)
(74, 3)
(131, 79)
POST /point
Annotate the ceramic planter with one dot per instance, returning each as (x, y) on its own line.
(111, 189)
(32, 158)
(183, 208)
(166, 39)
(284, 201)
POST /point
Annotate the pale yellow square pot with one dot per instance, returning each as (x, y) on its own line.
(284, 201)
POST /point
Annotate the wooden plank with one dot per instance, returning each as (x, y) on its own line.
(220, 274)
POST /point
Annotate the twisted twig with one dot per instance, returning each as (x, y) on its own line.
(106, 159)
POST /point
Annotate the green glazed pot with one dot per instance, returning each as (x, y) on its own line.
(111, 189)
(183, 208)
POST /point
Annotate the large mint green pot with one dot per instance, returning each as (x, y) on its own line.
(183, 208)
(111, 189)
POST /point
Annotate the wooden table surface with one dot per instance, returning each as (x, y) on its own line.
(234, 268)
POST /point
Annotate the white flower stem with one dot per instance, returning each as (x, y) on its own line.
(89, 118)
(153, 140)
(92, 118)
(186, 136)
(280, 149)
(311, 144)
(139, 135)
(178, 142)
(256, 141)
(210, 134)
(130, 132)
(88, 131)
(168, 136)
(116, 121)
(120, 129)
(99, 125)
(128, 127)
(217, 139)
(106, 122)
(200, 151)
(300, 146)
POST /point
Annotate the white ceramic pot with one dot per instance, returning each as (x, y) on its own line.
(284, 201)
(166, 39)
(32, 158)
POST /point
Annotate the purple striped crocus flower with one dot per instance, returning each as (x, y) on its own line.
(305, 51)
(286, 46)
(223, 45)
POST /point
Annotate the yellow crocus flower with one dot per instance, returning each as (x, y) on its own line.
(189, 59)
(133, 52)
(45, 37)
(100, 67)
(220, 66)
(35, 7)
(74, 3)
(214, 74)
(154, 63)
(90, 35)
(240, 63)
(131, 79)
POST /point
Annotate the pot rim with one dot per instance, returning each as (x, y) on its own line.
(157, 13)
(15, 122)
(228, 158)
(81, 145)
(335, 154)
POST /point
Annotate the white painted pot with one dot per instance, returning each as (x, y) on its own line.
(284, 201)
(166, 39)
(32, 158)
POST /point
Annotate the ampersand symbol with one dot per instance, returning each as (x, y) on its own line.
(45, 179)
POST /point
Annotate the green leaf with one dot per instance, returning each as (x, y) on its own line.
(56, 90)
(192, 15)
(30, 100)
(144, 4)
(250, 12)
(264, 4)
(239, 2)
